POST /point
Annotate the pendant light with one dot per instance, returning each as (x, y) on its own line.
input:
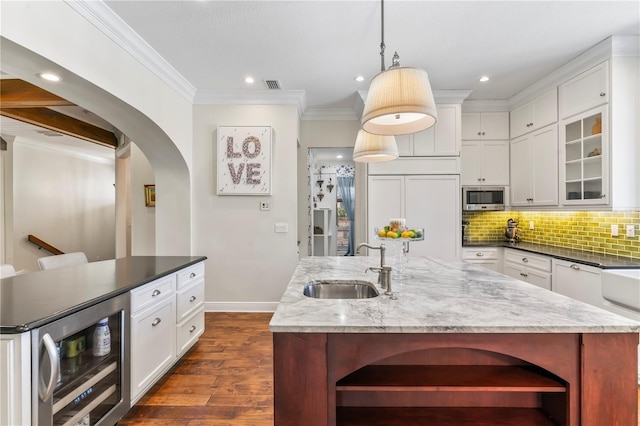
(372, 148)
(400, 100)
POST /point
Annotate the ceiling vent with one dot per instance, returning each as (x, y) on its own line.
(272, 84)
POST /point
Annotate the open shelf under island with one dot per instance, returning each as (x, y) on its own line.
(462, 345)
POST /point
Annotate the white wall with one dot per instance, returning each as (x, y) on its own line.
(64, 200)
(249, 265)
(143, 218)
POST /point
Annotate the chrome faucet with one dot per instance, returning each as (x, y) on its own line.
(384, 271)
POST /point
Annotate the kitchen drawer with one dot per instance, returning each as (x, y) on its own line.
(190, 274)
(148, 294)
(189, 330)
(189, 299)
(484, 253)
(530, 260)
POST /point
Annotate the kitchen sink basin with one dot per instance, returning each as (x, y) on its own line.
(340, 289)
(622, 286)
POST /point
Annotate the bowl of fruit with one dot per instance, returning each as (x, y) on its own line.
(388, 233)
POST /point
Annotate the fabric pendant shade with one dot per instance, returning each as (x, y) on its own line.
(371, 148)
(399, 102)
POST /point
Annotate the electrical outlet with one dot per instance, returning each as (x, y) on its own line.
(281, 227)
(631, 231)
(265, 206)
(531, 225)
(614, 230)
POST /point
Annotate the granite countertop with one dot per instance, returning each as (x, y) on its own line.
(34, 299)
(599, 260)
(435, 296)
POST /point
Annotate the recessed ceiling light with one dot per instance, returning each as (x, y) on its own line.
(484, 78)
(359, 78)
(338, 156)
(49, 76)
(249, 80)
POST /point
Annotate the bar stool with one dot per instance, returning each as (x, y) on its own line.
(6, 271)
(61, 260)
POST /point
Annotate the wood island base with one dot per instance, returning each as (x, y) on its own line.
(451, 379)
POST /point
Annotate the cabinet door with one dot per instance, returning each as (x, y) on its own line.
(541, 279)
(545, 166)
(579, 282)
(15, 386)
(443, 138)
(385, 200)
(585, 91)
(514, 271)
(153, 345)
(405, 145)
(545, 109)
(495, 125)
(471, 159)
(495, 162)
(471, 126)
(521, 120)
(433, 203)
(521, 171)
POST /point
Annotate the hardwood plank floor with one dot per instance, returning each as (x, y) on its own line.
(225, 380)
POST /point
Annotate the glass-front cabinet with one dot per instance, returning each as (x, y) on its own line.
(584, 158)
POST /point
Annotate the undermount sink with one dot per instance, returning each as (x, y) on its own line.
(340, 289)
(622, 286)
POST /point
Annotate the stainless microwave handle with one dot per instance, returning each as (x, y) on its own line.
(46, 390)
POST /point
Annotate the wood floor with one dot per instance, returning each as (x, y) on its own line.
(225, 380)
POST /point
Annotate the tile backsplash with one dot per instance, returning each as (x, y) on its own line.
(588, 231)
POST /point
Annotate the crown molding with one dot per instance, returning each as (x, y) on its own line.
(252, 97)
(481, 105)
(103, 18)
(625, 46)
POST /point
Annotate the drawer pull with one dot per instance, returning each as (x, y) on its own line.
(192, 329)
(192, 299)
(156, 293)
(524, 275)
(603, 94)
(574, 267)
(479, 254)
(525, 260)
(192, 275)
(156, 322)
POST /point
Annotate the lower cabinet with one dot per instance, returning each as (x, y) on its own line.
(15, 386)
(167, 318)
(488, 257)
(580, 282)
(532, 268)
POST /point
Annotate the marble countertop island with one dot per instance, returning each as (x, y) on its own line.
(435, 296)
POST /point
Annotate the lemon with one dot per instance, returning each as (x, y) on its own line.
(382, 233)
(392, 234)
(412, 234)
(406, 234)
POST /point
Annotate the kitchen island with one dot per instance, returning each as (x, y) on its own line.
(461, 345)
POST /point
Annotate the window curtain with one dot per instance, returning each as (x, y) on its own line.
(347, 192)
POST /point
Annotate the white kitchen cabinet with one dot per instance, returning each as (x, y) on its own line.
(484, 162)
(535, 114)
(585, 91)
(431, 202)
(153, 333)
(15, 386)
(584, 158)
(189, 307)
(322, 235)
(529, 267)
(485, 125)
(580, 282)
(534, 168)
(488, 257)
(443, 139)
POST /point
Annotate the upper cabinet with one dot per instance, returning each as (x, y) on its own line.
(443, 139)
(535, 114)
(585, 91)
(485, 125)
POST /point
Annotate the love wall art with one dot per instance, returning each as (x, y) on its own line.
(244, 160)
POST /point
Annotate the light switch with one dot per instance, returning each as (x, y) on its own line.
(614, 230)
(282, 227)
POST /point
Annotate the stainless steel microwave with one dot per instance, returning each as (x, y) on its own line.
(483, 198)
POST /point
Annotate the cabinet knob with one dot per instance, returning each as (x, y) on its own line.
(574, 267)
(482, 133)
(523, 274)
(192, 275)
(192, 329)
(156, 322)
(479, 254)
(602, 196)
(525, 260)
(156, 293)
(192, 299)
(603, 94)
(483, 179)
(479, 133)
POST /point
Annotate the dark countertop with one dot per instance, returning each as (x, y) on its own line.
(34, 299)
(599, 260)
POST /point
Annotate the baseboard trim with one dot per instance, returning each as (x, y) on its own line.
(240, 306)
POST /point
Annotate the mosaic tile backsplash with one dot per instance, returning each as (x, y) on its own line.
(588, 231)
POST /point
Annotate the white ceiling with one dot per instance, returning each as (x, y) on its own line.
(320, 46)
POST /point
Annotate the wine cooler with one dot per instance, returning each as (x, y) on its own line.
(81, 367)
